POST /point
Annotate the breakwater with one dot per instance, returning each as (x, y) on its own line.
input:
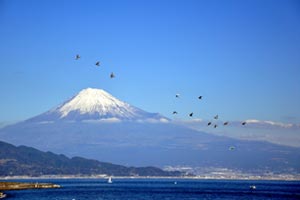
(23, 186)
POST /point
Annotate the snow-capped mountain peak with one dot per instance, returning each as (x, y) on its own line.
(89, 101)
(95, 104)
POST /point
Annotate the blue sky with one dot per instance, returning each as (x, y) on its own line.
(242, 56)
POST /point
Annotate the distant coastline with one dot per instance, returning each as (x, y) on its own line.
(274, 178)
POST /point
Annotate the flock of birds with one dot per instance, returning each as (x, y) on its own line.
(210, 123)
(216, 117)
(112, 75)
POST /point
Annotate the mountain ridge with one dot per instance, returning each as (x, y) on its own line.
(23, 160)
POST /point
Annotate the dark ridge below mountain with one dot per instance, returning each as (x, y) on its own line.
(22, 160)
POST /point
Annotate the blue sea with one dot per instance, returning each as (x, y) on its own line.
(159, 189)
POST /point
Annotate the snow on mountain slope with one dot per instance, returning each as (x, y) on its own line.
(96, 104)
(91, 101)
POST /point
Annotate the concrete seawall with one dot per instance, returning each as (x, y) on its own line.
(23, 186)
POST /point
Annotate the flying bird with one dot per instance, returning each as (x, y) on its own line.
(177, 95)
(112, 75)
(244, 123)
(174, 113)
(209, 123)
(231, 148)
(200, 97)
(226, 123)
(77, 56)
(97, 63)
(191, 114)
(216, 117)
(215, 126)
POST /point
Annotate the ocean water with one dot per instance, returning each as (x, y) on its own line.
(159, 189)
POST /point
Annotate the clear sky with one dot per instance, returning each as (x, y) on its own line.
(242, 56)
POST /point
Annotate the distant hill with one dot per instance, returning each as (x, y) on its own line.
(28, 161)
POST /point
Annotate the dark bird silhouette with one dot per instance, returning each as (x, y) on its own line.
(209, 123)
(231, 148)
(174, 113)
(200, 97)
(77, 56)
(191, 114)
(112, 75)
(97, 63)
(216, 117)
(226, 123)
(244, 123)
(215, 126)
(177, 95)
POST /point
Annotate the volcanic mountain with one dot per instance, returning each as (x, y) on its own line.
(96, 125)
(95, 104)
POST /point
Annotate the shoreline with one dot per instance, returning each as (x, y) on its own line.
(250, 178)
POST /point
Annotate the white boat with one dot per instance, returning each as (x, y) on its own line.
(2, 195)
(109, 180)
(252, 187)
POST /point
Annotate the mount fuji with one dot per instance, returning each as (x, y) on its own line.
(94, 124)
(95, 104)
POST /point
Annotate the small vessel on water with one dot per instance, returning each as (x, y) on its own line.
(252, 187)
(2, 195)
(109, 180)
